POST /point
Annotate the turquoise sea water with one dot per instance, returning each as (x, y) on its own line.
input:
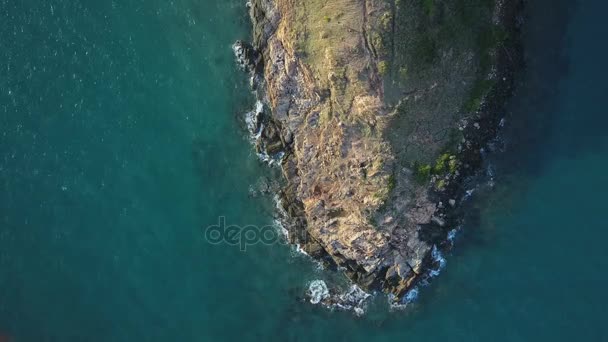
(121, 139)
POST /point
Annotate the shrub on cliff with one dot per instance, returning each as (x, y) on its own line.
(382, 68)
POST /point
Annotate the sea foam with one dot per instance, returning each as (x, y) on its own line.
(318, 291)
(353, 299)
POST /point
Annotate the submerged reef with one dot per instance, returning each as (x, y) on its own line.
(378, 112)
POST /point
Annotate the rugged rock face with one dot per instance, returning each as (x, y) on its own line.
(357, 134)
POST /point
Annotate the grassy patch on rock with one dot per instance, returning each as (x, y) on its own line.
(440, 55)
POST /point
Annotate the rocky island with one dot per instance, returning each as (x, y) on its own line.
(378, 112)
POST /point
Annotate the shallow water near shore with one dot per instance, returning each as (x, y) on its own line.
(122, 138)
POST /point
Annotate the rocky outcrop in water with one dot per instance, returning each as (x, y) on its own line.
(378, 112)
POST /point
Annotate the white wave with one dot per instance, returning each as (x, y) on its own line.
(438, 257)
(252, 120)
(352, 299)
(359, 311)
(490, 171)
(452, 235)
(258, 135)
(259, 107)
(283, 232)
(274, 160)
(298, 249)
(410, 297)
(354, 295)
(264, 157)
(468, 194)
(318, 291)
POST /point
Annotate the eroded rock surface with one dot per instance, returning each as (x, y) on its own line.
(363, 127)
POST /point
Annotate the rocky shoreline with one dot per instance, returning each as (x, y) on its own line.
(323, 114)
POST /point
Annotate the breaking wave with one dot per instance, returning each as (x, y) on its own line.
(318, 291)
(352, 299)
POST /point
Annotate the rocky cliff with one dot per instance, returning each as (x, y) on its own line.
(379, 111)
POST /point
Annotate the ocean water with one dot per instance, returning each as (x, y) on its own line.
(122, 139)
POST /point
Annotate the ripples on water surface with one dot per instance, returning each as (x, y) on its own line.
(120, 140)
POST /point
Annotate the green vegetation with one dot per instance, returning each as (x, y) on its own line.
(324, 117)
(383, 68)
(367, 130)
(440, 184)
(480, 90)
(441, 163)
(383, 194)
(430, 27)
(377, 41)
(422, 173)
(429, 7)
(453, 164)
(377, 164)
(386, 21)
(392, 183)
(445, 163)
